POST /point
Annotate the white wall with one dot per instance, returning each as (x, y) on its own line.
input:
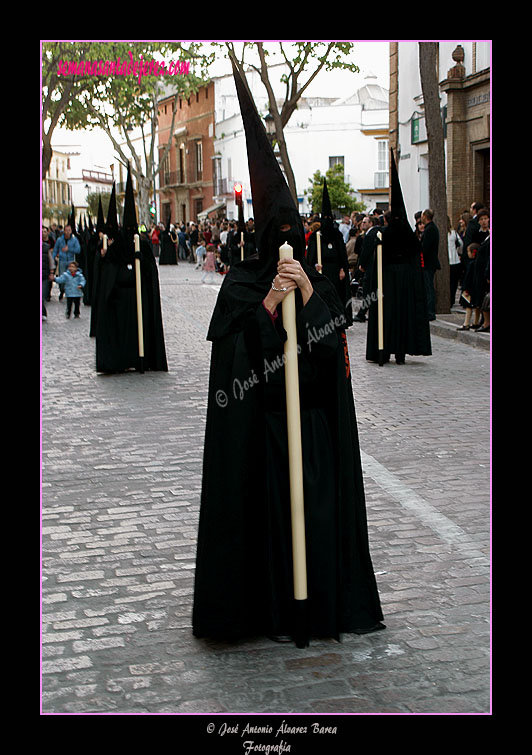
(313, 134)
(413, 163)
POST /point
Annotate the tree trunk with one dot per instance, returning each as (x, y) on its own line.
(46, 154)
(143, 189)
(428, 57)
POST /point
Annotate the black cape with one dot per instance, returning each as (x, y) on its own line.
(406, 323)
(115, 311)
(333, 259)
(168, 254)
(244, 580)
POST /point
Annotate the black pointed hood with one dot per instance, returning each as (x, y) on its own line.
(90, 225)
(129, 222)
(327, 217)
(326, 209)
(273, 205)
(397, 204)
(399, 238)
(100, 220)
(111, 224)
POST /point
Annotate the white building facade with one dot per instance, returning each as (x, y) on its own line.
(407, 122)
(321, 132)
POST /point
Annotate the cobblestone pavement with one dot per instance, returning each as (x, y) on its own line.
(121, 477)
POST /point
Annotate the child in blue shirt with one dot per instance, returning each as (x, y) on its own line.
(73, 281)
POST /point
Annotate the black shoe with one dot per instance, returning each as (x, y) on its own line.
(399, 360)
(280, 638)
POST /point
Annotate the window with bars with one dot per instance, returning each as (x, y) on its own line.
(336, 160)
(198, 147)
(381, 174)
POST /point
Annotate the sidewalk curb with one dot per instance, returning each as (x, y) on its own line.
(469, 337)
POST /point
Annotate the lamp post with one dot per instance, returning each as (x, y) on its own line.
(269, 124)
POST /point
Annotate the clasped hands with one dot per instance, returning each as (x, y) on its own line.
(290, 275)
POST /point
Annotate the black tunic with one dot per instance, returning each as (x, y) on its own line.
(115, 313)
(168, 254)
(244, 579)
(333, 259)
(406, 324)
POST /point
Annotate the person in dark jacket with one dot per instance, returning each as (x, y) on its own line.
(47, 270)
(429, 243)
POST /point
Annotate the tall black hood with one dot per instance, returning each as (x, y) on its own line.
(100, 220)
(111, 225)
(327, 217)
(129, 221)
(397, 204)
(273, 205)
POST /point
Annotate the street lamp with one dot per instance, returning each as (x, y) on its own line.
(269, 124)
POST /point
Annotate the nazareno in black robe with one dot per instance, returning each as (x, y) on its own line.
(333, 259)
(168, 254)
(406, 324)
(244, 579)
(115, 321)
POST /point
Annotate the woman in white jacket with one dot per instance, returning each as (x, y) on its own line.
(455, 246)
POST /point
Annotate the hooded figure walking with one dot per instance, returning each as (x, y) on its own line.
(116, 324)
(333, 254)
(244, 569)
(406, 327)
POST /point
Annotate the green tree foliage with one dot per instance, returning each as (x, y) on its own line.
(93, 198)
(113, 97)
(341, 194)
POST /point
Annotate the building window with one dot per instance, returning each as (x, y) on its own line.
(381, 174)
(166, 170)
(336, 160)
(217, 175)
(182, 176)
(198, 147)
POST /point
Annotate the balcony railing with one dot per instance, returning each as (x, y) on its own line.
(171, 178)
(96, 175)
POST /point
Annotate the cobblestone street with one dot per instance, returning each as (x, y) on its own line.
(121, 479)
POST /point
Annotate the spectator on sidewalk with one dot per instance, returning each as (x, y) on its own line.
(430, 242)
(480, 286)
(47, 270)
(467, 286)
(66, 250)
(455, 247)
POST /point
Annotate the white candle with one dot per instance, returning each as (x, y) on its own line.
(380, 311)
(286, 252)
(138, 282)
(318, 233)
(293, 420)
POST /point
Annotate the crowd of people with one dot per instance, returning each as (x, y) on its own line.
(213, 246)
